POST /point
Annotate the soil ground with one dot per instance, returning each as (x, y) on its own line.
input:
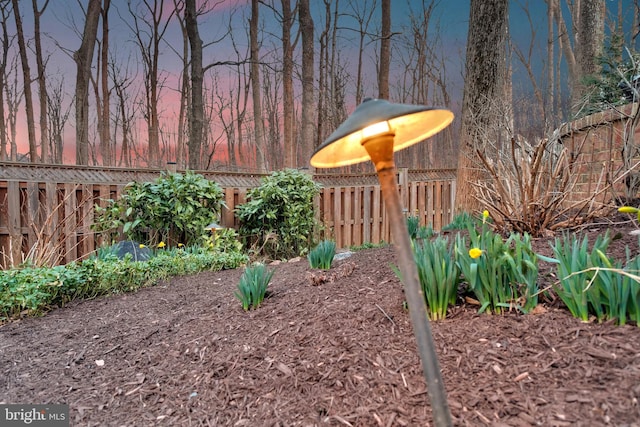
(329, 348)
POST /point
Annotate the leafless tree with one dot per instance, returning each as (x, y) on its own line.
(13, 98)
(125, 108)
(57, 119)
(83, 57)
(256, 86)
(196, 113)
(150, 23)
(290, 152)
(385, 50)
(362, 12)
(26, 78)
(308, 98)
(5, 11)
(484, 82)
(583, 45)
(42, 83)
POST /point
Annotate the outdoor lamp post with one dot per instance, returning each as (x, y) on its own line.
(374, 131)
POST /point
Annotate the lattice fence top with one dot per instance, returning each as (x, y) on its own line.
(28, 172)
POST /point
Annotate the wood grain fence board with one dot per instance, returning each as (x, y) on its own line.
(348, 216)
(327, 232)
(430, 208)
(376, 230)
(227, 212)
(13, 224)
(366, 213)
(422, 203)
(337, 216)
(33, 216)
(88, 240)
(51, 211)
(70, 223)
(357, 215)
(437, 202)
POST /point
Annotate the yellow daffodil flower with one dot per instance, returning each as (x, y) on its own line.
(475, 253)
(142, 246)
(485, 214)
(161, 245)
(180, 245)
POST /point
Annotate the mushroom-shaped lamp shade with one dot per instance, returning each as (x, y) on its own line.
(409, 123)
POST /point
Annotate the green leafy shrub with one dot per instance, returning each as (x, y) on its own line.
(278, 219)
(501, 274)
(253, 285)
(174, 208)
(439, 275)
(322, 255)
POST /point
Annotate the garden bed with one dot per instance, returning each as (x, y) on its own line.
(325, 348)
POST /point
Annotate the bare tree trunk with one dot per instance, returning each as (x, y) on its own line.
(484, 80)
(290, 152)
(83, 57)
(185, 92)
(256, 88)
(385, 51)
(590, 41)
(4, 11)
(307, 128)
(42, 84)
(196, 114)
(26, 77)
(106, 145)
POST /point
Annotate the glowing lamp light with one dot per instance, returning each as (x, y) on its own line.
(410, 124)
(374, 131)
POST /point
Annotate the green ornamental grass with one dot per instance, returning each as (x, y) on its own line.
(322, 255)
(253, 285)
(439, 275)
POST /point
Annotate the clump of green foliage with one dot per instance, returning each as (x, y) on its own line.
(590, 284)
(278, 220)
(34, 291)
(322, 255)
(439, 275)
(253, 285)
(502, 274)
(175, 208)
(461, 221)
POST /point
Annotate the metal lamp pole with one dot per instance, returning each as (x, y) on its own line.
(375, 130)
(380, 148)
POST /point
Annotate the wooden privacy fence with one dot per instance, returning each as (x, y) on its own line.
(52, 206)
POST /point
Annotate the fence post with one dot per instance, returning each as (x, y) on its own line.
(403, 183)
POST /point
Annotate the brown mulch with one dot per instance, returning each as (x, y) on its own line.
(325, 348)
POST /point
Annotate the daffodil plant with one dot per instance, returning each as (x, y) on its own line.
(501, 274)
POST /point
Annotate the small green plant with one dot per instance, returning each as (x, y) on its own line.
(501, 274)
(439, 275)
(461, 221)
(367, 245)
(592, 284)
(253, 285)
(322, 255)
(413, 225)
